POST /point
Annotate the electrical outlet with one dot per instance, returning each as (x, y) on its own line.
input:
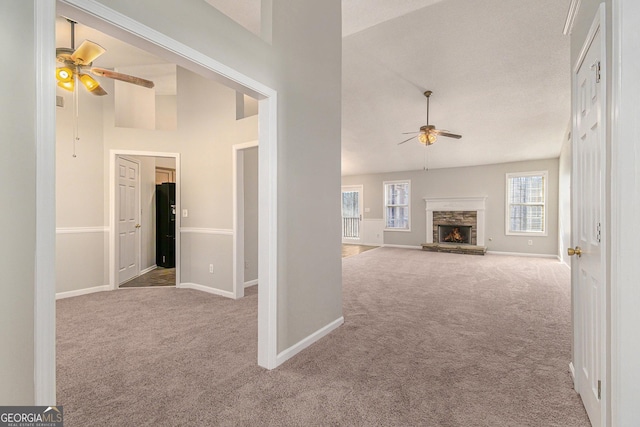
(530, 242)
(211, 268)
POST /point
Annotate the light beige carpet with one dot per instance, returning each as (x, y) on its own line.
(430, 339)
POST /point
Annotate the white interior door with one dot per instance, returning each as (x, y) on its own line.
(588, 267)
(128, 219)
(352, 214)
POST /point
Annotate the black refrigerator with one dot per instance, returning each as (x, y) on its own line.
(166, 225)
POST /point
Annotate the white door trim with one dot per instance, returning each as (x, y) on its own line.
(598, 26)
(113, 231)
(44, 356)
(237, 153)
(625, 210)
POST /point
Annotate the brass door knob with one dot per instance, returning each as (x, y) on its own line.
(137, 225)
(576, 251)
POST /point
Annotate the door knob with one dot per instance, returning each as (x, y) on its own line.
(576, 251)
(137, 225)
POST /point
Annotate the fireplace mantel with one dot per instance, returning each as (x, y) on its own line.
(456, 204)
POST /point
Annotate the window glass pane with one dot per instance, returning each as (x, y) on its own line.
(398, 194)
(526, 218)
(350, 208)
(526, 189)
(397, 217)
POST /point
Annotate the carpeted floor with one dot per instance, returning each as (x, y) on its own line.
(430, 339)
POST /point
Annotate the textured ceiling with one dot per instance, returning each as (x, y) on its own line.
(499, 71)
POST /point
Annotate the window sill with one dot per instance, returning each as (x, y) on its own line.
(398, 229)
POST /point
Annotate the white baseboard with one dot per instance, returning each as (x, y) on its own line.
(572, 370)
(522, 254)
(69, 294)
(401, 246)
(250, 283)
(146, 270)
(306, 342)
(206, 289)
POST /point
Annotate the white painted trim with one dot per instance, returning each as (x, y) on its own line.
(385, 245)
(206, 289)
(44, 344)
(625, 209)
(287, 354)
(250, 283)
(148, 269)
(217, 231)
(571, 16)
(268, 232)
(81, 230)
(237, 164)
(572, 372)
(523, 254)
(85, 291)
(450, 204)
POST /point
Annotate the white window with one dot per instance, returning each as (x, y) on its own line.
(397, 205)
(526, 203)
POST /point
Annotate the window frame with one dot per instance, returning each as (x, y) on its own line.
(545, 191)
(385, 205)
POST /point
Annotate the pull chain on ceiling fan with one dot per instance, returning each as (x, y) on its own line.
(75, 69)
(428, 134)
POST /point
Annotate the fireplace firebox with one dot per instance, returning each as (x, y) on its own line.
(454, 234)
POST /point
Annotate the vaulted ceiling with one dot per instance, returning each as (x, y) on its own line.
(499, 71)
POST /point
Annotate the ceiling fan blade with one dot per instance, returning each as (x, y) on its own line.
(122, 77)
(446, 133)
(407, 140)
(87, 53)
(409, 133)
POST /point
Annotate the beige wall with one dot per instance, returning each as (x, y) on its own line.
(250, 157)
(207, 128)
(486, 181)
(18, 192)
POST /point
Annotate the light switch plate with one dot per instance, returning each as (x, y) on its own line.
(185, 213)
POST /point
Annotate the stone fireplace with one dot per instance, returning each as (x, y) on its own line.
(455, 221)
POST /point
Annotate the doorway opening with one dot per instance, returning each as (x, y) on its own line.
(123, 27)
(151, 256)
(352, 209)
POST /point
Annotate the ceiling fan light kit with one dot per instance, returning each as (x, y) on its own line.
(76, 61)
